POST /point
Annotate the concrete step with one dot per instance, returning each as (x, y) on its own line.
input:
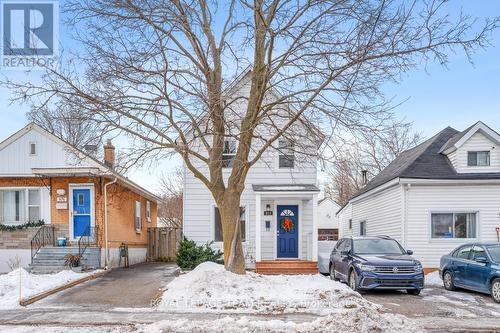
(52, 259)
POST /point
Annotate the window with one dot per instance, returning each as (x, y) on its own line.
(34, 205)
(286, 154)
(12, 207)
(478, 158)
(463, 252)
(340, 245)
(148, 211)
(228, 153)
(362, 228)
(81, 199)
(453, 225)
(218, 224)
(32, 148)
(350, 223)
(478, 252)
(137, 216)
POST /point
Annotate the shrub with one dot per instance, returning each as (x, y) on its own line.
(191, 255)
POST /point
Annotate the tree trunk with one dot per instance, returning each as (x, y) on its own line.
(229, 210)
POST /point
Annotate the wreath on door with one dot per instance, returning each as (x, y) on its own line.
(287, 224)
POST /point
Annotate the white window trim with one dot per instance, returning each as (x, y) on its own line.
(453, 239)
(30, 206)
(36, 148)
(278, 154)
(148, 211)
(233, 155)
(140, 215)
(366, 227)
(26, 206)
(212, 224)
(478, 151)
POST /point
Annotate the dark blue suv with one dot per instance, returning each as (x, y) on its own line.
(379, 262)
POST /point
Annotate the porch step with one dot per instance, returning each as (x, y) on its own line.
(286, 267)
(51, 259)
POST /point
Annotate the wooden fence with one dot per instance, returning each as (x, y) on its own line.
(163, 242)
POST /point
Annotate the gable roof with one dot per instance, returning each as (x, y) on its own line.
(92, 165)
(426, 161)
(460, 138)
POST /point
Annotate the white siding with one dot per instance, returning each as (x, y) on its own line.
(381, 211)
(477, 142)
(326, 214)
(343, 218)
(423, 200)
(16, 159)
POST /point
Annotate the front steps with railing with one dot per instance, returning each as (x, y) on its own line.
(51, 259)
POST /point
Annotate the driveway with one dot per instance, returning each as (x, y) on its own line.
(134, 287)
(441, 310)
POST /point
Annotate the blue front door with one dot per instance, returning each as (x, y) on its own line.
(288, 231)
(81, 212)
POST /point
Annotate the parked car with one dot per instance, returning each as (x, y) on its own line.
(325, 248)
(474, 266)
(380, 262)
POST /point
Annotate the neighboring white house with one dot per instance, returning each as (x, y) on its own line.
(434, 197)
(328, 227)
(278, 206)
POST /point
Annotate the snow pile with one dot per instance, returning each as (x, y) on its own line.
(433, 279)
(351, 320)
(31, 284)
(210, 288)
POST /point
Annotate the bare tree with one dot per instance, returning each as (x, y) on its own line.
(370, 152)
(170, 208)
(159, 72)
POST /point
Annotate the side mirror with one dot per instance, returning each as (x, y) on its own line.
(482, 260)
(409, 252)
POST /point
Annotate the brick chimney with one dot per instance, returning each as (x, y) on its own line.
(109, 154)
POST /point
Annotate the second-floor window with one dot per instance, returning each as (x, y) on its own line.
(478, 158)
(286, 155)
(228, 153)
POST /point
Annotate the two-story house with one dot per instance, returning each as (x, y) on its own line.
(432, 198)
(278, 206)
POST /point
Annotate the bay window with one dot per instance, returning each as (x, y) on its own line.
(18, 206)
(453, 225)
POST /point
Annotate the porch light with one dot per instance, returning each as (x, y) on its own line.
(268, 210)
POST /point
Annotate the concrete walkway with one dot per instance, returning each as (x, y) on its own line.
(134, 287)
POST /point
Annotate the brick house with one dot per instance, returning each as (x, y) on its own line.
(77, 196)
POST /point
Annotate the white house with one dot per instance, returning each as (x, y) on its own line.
(278, 206)
(328, 227)
(434, 197)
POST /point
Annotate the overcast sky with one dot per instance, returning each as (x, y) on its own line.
(434, 98)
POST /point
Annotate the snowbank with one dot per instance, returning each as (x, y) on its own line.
(32, 284)
(433, 279)
(352, 320)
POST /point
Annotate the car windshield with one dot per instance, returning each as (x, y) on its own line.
(494, 252)
(376, 246)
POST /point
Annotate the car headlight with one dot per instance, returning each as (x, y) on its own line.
(366, 268)
(418, 268)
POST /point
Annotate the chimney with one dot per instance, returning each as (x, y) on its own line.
(109, 154)
(364, 176)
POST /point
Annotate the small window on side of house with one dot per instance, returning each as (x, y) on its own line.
(228, 153)
(350, 223)
(148, 211)
(218, 225)
(32, 148)
(137, 216)
(362, 228)
(286, 154)
(478, 158)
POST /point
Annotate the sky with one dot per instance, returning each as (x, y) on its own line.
(432, 98)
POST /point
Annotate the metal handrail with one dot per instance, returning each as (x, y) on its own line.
(44, 236)
(88, 238)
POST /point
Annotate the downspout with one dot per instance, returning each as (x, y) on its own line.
(106, 254)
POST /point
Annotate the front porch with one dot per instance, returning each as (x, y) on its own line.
(286, 238)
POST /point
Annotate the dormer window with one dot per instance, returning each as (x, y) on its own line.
(286, 154)
(32, 148)
(478, 158)
(228, 153)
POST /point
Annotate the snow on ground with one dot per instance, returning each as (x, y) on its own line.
(351, 320)
(433, 279)
(62, 329)
(32, 284)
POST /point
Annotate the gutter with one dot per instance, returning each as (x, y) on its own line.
(106, 254)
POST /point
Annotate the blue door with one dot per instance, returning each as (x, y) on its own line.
(81, 212)
(288, 231)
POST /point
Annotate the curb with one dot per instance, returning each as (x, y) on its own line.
(42, 295)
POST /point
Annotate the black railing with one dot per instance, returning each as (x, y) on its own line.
(43, 237)
(89, 237)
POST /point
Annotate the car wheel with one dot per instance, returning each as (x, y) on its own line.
(495, 290)
(332, 273)
(448, 281)
(414, 292)
(352, 281)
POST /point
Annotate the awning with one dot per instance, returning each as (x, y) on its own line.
(285, 188)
